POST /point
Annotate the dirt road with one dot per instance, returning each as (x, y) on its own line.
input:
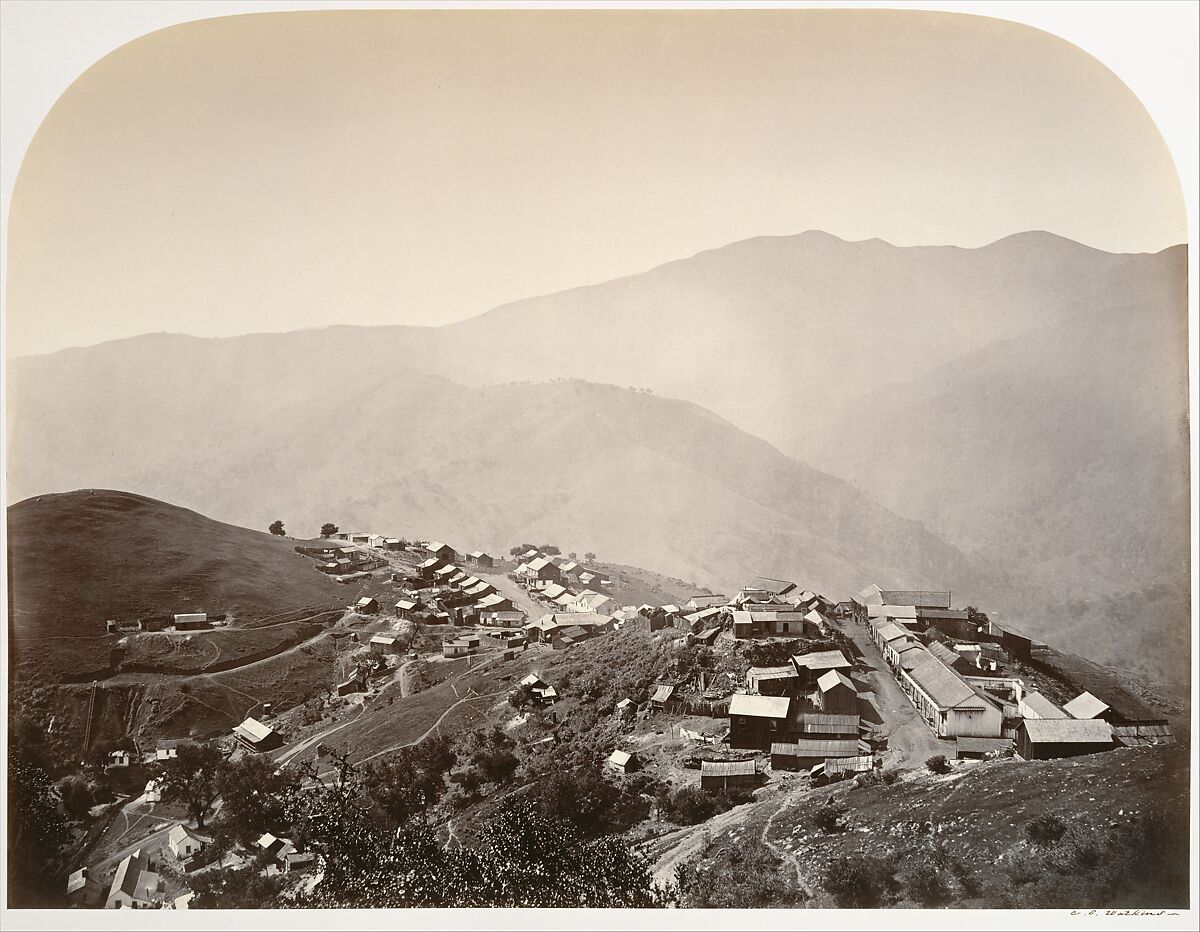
(910, 742)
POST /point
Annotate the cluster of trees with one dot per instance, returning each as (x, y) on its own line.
(377, 849)
(276, 528)
(691, 805)
(549, 550)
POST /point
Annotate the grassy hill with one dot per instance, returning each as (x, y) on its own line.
(80, 558)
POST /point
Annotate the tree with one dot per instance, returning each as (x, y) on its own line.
(938, 764)
(549, 550)
(253, 793)
(589, 557)
(328, 529)
(76, 796)
(408, 782)
(36, 833)
(191, 778)
(244, 888)
(573, 555)
(522, 697)
(276, 528)
(488, 758)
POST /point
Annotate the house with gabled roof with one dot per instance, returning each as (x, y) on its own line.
(950, 705)
(257, 736)
(836, 693)
(83, 889)
(186, 843)
(1045, 738)
(773, 681)
(479, 558)
(757, 721)
(719, 775)
(623, 762)
(705, 600)
(444, 552)
(135, 885)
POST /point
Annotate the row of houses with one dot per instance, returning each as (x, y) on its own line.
(961, 692)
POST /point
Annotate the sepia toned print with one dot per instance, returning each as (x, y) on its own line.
(694, 459)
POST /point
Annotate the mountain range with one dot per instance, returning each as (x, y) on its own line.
(1009, 422)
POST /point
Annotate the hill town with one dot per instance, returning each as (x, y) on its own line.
(456, 685)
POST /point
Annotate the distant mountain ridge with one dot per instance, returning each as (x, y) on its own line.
(965, 388)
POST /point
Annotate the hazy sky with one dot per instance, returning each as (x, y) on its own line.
(280, 171)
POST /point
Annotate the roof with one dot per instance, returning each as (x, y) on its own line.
(662, 693)
(759, 706)
(572, 631)
(181, 833)
(553, 591)
(77, 880)
(829, 680)
(532, 680)
(984, 745)
(493, 599)
(925, 598)
(383, 639)
(815, 617)
(434, 545)
(827, 723)
(1041, 706)
(943, 614)
(910, 658)
(817, 747)
(405, 605)
(432, 561)
(477, 554)
(772, 673)
(890, 632)
(365, 600)
(821, 660)
(620, 758)
(945, 654)
(727, 768)
(1085, 705)
(253, 729)
(541, 563)
(945, 687)
(767, 584)
(128, 871)
(1068, 730)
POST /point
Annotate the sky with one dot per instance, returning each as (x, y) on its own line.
(290, 170)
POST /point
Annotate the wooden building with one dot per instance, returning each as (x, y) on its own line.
(1046, 738)
(718, 775)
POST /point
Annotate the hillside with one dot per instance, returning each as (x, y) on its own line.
(653, 481)
(80, 558)
(1020, 400)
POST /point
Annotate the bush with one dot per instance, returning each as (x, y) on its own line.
(924, 884)
(938, 764)
(828, 818)
(1045, 831)
(861, 881)
(748, 875)
(691, 805)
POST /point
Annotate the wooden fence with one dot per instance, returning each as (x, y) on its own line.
(684, 707)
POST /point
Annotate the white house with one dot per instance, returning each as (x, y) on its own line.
(135, 885)
(184, 842)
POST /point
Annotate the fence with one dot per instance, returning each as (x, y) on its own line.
(684, 707)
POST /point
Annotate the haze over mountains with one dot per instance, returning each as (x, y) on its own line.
(1025, 401)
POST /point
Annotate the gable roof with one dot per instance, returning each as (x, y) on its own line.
(944, 654)
(821, 660)
(383, 639)
(620, 758)
(1085, 706)
(1068, 730)
(253, 729)
(759, 706)
(767, 584)
(828, 723)
(945, 687)
(924, 598)
(662, 693)
(772, 673)
(828, 681)
(890, 632)
(128, 872)
(181, 833)
(1041, 707)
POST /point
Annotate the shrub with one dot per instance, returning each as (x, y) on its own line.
(1045, 831)
(828, 818)
(923, 883)
(691, 805)
(938, 764)
(861, 881)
